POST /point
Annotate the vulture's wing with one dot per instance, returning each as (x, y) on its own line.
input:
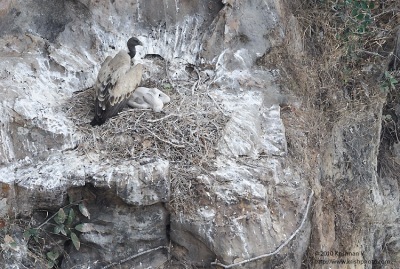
(126, 84)
(114, 85)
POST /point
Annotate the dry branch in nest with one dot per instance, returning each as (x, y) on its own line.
(185, 133)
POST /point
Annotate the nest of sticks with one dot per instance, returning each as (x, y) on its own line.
(185, 133)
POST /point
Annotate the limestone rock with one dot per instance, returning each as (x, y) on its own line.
(248, 199)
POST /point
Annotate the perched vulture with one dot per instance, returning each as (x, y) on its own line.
(116, 80)
(148, 98)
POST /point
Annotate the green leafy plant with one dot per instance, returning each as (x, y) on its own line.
(361, 40)
(360, 15)
(65, 222)
(32, 233)
(52, 257)
(167, 86)
(389, 82)
(356, 14)
(356, 24)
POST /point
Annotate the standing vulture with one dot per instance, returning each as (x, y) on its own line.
(116, 80)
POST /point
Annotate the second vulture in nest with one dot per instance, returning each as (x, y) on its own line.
(148, 98)
(116, 81)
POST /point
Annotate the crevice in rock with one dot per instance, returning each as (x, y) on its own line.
(389, 149)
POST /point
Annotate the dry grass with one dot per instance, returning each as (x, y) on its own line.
(185, 133)
(338, 78)
(344, 69)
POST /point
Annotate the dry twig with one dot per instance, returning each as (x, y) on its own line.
(134, 256)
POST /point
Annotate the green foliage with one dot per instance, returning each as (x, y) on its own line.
(60, 217)
(32, 233)
(60, 228)
(75, 241)
(356, 14)
(84, 210)
(71, 217)
(389, 82)
(387, 118)
(167, 87)
(84, 227)
(52, 257)
(358, 37)
(65, 222)
(356, 24)
(360, 15)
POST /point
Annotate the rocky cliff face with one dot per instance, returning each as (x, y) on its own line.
(209, 183)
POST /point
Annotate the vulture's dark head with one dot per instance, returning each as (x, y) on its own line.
(132, 43)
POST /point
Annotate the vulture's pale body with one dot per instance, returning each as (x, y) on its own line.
(116, 81)
(148, 98)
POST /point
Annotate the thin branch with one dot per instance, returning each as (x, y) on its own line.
(163, 140)
(133, 257)
(163, 118)
(385, 12)
(55, 214)
(280, 247)
(216, 104)
(371, 53)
